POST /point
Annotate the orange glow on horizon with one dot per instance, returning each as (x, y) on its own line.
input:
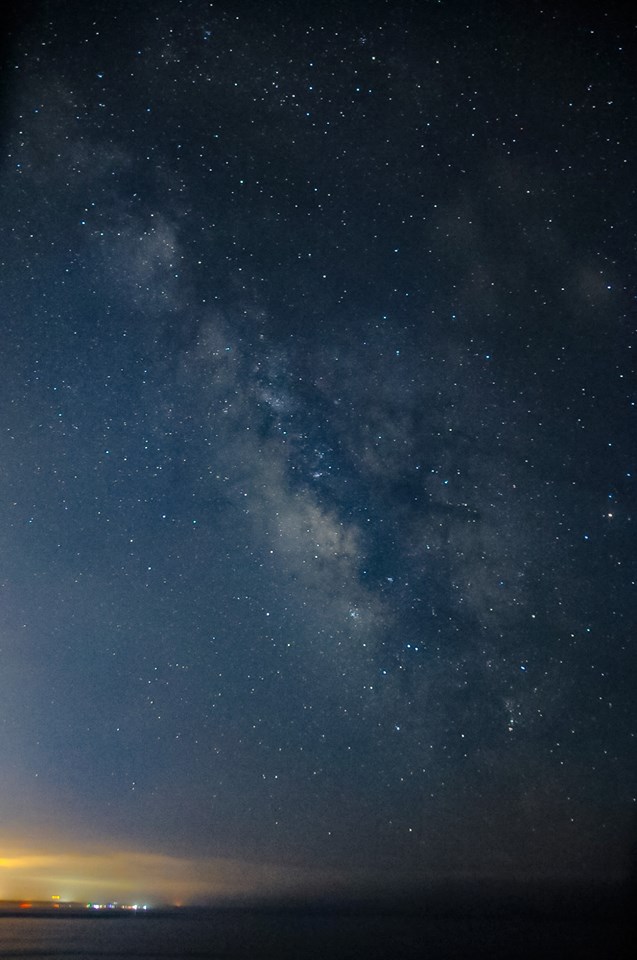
(98, 875)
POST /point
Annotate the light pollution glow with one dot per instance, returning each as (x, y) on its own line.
(152, 877)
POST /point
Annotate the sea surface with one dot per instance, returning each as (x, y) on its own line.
(295, 935)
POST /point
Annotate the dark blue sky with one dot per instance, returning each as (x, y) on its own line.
(317, 441)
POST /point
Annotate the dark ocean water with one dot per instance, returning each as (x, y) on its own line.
(294, 935)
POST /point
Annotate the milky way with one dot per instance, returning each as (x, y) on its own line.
(317, 420)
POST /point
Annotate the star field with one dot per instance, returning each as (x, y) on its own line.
(317, 436)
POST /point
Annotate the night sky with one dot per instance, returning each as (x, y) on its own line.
(317, 446)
